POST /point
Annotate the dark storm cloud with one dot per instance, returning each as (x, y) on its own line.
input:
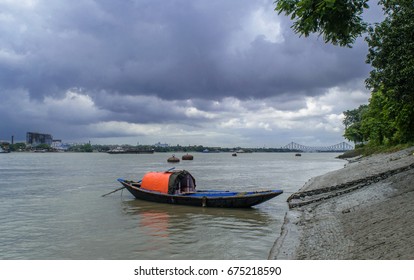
(224, 70)
(124, 46)
(172, 49)
(297, 67)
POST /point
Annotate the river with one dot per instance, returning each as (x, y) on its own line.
(51, 206)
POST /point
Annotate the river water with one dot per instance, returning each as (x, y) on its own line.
(51, 206)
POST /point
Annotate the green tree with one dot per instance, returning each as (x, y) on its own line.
(390, 115)
(338, 21)
(377, 124)
(86, 148)
(391, 54)
(43, 147)
(18, 147)
(353, 123)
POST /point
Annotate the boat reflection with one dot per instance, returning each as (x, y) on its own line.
(212, 232)
(156, 223)
(177, 212)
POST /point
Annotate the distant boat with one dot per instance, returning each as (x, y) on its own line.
(178, 187)
(211, 151)
(298, 155)
(2, 151)
(120, 150)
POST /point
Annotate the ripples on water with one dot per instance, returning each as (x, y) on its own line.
(51, 206)
(201, 233)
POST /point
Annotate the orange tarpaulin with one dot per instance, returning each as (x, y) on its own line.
(156, 181)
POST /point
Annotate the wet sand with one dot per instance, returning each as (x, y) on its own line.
(363, 211)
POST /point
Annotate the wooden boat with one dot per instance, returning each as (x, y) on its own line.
(178, 187)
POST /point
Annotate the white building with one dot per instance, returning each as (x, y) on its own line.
(161, 145)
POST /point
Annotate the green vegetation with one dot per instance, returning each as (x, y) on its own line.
(44, 147)
(391, 54)
(366, 150)
(353, 123)
(18, 147)
(84, 148)
(387, 122)
(338, 21)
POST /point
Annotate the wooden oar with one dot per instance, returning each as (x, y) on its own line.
(118, 189)
(123, 187)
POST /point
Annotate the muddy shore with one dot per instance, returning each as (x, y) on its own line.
(363, 211)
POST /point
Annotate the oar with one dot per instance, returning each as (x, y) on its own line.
(118, 189)
(123, 187)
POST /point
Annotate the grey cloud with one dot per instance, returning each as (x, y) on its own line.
(173, 49)
(144, 62)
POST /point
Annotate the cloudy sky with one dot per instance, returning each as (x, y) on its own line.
(189, 72)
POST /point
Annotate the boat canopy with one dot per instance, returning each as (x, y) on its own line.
(174, 182)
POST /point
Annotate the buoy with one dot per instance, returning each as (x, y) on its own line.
(187, 157)
(173, 159)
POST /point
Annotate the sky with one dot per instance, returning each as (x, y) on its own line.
(190, 72)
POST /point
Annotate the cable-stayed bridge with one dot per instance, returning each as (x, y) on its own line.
(340, 147)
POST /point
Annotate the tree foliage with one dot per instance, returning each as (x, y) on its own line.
(338, 21)
(84, 148)
(353, 123)
(389, 119)
(391, 50)
(18, 147)
(389, 116)
(377, 124)
(391, 54)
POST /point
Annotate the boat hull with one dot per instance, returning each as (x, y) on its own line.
(203, 198)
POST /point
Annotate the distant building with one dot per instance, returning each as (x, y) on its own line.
(159, 145)
(34, 139)
(56, 143)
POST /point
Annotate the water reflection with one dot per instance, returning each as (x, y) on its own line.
(155, 223)
(182, 232)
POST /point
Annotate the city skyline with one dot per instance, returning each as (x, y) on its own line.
(35, 138)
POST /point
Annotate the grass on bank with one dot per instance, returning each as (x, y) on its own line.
(367, 150)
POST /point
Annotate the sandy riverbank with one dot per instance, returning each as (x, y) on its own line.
(363, 211)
